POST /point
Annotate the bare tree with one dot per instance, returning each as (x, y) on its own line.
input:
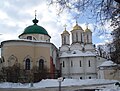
(115, 54)
(102, 10)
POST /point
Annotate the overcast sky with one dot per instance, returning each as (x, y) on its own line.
(16, 15)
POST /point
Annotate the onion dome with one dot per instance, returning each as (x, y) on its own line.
(87, 30)
(34, 29)
(65, 32)
(77, 27)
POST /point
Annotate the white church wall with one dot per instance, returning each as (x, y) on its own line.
(89, 47)
(75, 65)
(65, 66)
(78, 67)
(90, 64)
(64, 48)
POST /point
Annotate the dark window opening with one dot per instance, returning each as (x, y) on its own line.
(63, 64)
(89, 64)
(29, 37)
(80, 64)
(71, 63)
(41, 64)
(89, 77)
(80, 77)
(27, 64)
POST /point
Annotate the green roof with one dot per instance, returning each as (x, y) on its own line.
(34, 29)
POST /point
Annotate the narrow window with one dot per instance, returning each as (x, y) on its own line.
(71, 63)
(76, 37)
(63, 64)
(80, 64)
(81, 37)
(27, 64)
(87, 39)
(41, 64)
(64, 39)
(89, 64)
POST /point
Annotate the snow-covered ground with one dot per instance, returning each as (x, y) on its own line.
(66, 82)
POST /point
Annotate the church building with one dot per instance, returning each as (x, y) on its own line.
(78, 59)
(32, 49)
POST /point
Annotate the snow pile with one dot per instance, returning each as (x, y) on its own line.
(111, 89)
(54, 83)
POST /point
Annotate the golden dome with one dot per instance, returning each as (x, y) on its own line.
(65, 32)
(77, 27)
(87, 30)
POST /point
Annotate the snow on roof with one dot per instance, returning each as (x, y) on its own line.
(25, 40)
(76, 53)
(108, 63)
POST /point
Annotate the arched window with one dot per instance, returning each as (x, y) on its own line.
(27, 64)
(41, 64)
(12, 60)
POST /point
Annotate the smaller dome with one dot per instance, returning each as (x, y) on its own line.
(77, 27)
(87, 30)
(65, 32)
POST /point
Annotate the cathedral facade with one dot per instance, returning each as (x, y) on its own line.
(78, 59)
